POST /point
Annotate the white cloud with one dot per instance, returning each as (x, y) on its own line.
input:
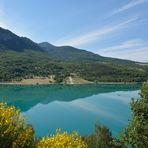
(95, 35)
(136, 49)
(131, 4)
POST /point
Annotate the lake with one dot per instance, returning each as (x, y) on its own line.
(72, 107)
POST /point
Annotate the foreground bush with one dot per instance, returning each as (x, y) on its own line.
(102, 138)
(136, 134)
(62, 140)
(14, 132)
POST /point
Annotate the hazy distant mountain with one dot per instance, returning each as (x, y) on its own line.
(68, 52)
(75, 54)
(21, 57)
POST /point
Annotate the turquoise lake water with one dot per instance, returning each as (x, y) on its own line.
(72, 107)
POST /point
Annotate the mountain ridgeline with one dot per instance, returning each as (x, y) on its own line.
(22, 58)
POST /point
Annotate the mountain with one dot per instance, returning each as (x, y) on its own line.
(9, 40)
(68, 52)
(22, 58)
(74, 54)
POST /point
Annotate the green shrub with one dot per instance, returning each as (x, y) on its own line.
(101, 138)
(136, 134)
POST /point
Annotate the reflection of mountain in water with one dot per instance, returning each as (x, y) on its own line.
(25, 97)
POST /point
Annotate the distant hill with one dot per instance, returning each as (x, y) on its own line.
(69, 53)
(72, 54)
(21, 58)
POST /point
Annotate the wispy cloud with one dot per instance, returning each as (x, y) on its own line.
(95, 35)
(140, 54)
(131, 4)
(136, 49)
(126, 45)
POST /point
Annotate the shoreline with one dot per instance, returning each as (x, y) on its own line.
(75, 80)
(99, 83)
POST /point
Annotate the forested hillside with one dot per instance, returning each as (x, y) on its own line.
(22, 58)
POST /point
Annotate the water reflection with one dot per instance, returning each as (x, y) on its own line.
(25, 97)
(82, 114)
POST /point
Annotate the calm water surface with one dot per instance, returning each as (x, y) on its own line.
(72, 107)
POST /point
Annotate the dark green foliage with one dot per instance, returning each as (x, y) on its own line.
(102, 138)
(17, 65)
(136, 134)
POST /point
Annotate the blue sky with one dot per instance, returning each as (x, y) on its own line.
(113, 28)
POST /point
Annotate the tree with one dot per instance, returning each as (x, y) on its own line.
(136, 134)
(101, 138)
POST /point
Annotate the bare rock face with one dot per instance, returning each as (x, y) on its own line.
(74, 79)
